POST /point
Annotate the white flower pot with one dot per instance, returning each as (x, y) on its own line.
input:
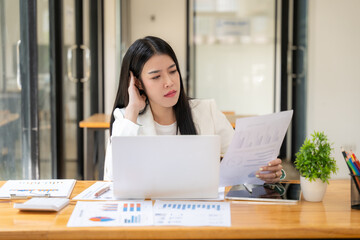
(313, 191)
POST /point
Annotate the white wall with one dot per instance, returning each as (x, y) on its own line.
(333, 74)
(234, 55)
(242, 81)
(110, 61)
(169, 24)
(110, 54)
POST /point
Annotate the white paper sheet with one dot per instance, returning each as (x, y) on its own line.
(221, 196)
(38, 188)
(89, 193)
(256, 142)
(111, 214)
(191, 213)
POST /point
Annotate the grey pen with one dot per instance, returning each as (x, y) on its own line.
(248, 188)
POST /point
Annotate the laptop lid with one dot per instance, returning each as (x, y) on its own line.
(171, 167)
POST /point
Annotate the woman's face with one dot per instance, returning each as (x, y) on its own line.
(161, 80)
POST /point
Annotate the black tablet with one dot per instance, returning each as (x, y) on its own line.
(283, 192)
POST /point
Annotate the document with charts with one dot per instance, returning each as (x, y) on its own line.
(257, 141)
(37, 188)
(111, 214)
(192, 213)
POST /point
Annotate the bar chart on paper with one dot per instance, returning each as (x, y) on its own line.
(132, 212)
(188, 213)
(110, 213)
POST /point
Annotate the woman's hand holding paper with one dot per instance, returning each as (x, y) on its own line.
(271, 173)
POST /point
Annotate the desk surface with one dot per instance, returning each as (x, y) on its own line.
(101, 120)
(98, 120)
(332, 218)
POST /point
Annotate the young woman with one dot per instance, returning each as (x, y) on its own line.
(151, 101)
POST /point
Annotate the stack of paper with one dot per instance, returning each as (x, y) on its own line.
(38, 188)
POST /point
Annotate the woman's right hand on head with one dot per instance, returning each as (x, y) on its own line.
(136, 101)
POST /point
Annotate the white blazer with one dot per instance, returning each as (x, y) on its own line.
(207, 118)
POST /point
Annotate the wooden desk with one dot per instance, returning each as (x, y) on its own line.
(102, 121)
(332, 218)
(98, 121)
(95, 127)
(232, 118)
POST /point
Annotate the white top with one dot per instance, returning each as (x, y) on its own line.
(165, 129)
(208, 120)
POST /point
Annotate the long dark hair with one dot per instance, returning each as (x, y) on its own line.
(134, 60)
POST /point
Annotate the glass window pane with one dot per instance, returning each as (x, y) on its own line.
(69, 92)
(44, 101)
(234, 54)
(10, 93)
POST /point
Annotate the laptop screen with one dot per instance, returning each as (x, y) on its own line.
(166, 166)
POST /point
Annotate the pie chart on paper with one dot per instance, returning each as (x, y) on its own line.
(101, 219)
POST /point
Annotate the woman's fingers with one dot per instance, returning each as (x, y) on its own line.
(136, 101)
(272, 168)
(275, 162)
(270, 173)
(132, 81)
(274, 165)
(270, 177)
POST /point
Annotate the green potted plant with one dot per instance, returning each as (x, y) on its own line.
(315, 164)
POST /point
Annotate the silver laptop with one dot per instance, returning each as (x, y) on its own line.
(171, 167)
